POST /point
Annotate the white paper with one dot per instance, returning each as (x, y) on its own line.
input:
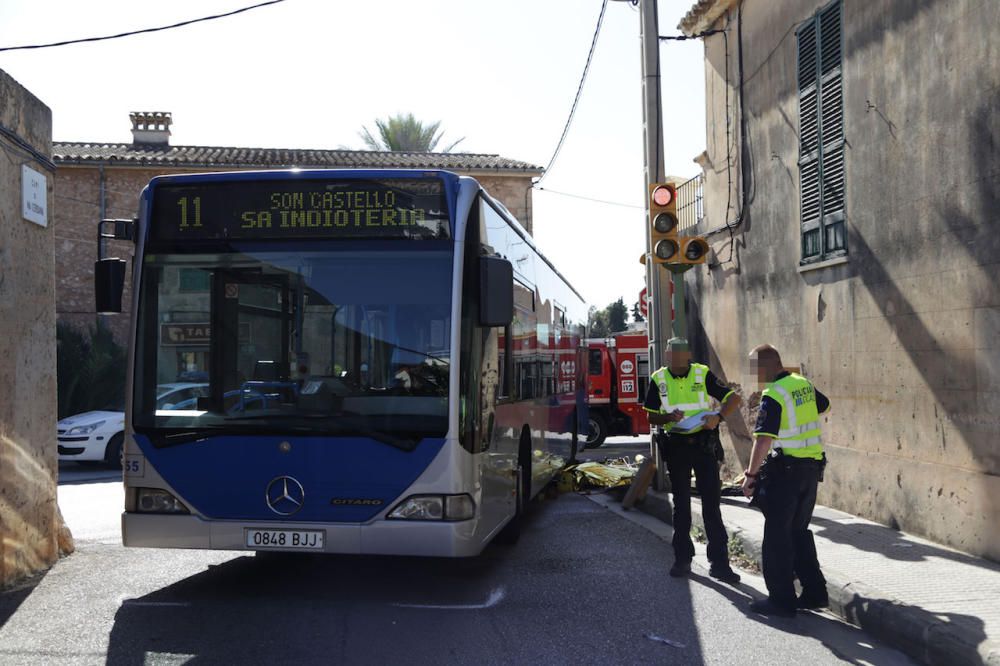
(692, 422)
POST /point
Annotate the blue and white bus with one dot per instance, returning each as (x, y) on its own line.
(381, 362)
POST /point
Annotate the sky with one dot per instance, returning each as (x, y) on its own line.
(312, 73)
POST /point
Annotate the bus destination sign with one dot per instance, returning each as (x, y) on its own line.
(301, 209)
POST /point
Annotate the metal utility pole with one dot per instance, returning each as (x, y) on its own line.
(657, 280)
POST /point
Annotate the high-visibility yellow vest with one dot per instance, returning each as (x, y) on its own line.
(685, 393)
(799, 433)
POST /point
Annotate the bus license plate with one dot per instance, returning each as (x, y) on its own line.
(288, 539)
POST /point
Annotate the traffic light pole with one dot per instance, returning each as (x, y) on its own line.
(657, 280)
(680, 316)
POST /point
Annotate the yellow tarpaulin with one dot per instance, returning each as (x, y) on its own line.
(611, 473)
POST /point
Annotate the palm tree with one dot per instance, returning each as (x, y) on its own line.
(405, 133)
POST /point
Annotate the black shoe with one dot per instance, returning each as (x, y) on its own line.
(767, 607)
(680, 569)
(812, 601)
(724, 573)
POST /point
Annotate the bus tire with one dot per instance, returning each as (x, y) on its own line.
(597, 431)
(113, 452)
(511, 532)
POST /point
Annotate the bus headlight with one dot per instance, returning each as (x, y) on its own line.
(435, 507)
(154, 500)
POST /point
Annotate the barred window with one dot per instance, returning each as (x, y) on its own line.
(821, 134)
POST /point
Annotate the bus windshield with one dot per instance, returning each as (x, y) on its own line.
(337, 338)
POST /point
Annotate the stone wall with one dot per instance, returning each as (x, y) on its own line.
(514, 193)
(904, 335)
(28, 512)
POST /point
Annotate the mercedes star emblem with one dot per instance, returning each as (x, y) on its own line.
(285, 495)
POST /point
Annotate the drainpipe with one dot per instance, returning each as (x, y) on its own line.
(527, 207)
(102, 211)
(101, 242)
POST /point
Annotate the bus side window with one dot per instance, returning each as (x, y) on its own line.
(506, 362)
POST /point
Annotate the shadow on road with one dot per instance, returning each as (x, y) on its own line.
(11, 599)
(73, 473)
(549, 599)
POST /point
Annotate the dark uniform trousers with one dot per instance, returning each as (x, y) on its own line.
(787, 497)
(684, 453)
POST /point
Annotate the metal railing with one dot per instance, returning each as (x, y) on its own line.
(690, 202)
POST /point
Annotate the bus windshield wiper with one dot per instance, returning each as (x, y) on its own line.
(162, 437)
(354, 425)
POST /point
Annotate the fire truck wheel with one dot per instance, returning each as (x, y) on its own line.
(597, 431)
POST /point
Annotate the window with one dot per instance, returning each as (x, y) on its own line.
(821, 135)
(594, 362)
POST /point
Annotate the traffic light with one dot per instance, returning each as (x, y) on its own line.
(694, 250)
(663, 223)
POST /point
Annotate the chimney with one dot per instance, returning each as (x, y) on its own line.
(150, 128)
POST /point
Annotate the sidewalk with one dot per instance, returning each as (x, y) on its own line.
(937, 605)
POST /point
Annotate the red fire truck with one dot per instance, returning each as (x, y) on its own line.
(617, 377)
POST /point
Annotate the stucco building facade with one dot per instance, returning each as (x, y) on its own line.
(97, 181)
(851, 179)
(29, 517)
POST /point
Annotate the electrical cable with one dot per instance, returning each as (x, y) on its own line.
(24, 148)
(681, 38)
(579, 91)
(139, 32)
(729, 141)
(579, 196)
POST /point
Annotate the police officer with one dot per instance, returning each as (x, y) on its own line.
(676, 393)
(786, 464)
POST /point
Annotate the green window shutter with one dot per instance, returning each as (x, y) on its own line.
(832, 128)
(807, 41)
(821, 133)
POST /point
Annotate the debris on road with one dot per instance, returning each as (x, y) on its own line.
(665, 641)
(611, 473)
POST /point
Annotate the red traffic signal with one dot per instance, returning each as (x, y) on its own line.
(663, 223)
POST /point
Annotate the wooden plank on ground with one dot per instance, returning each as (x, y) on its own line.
(640, 484)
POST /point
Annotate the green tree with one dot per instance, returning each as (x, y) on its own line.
(90, 370)
(617, 316)
(406, 134)
(597, 323)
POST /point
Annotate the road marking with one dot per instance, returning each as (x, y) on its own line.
(135, 602)
(496, 596)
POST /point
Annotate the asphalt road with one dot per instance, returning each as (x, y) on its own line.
(586, 584)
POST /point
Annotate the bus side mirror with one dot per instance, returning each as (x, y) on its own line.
(109, 281)
(496, 291)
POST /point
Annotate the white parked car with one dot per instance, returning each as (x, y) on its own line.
(98, 436)
(92, 436)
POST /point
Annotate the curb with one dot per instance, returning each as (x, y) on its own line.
(916, 632)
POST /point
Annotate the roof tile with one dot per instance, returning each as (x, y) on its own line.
(218, 156)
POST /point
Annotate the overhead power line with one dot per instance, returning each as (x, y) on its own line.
(579, 90)
(139, 32)
(580, 196)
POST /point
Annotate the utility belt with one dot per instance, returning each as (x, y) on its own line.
(777, 467)
(779, 460)
(707, 440)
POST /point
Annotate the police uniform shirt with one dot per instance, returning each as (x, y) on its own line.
(713, 387)
(769, 416)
